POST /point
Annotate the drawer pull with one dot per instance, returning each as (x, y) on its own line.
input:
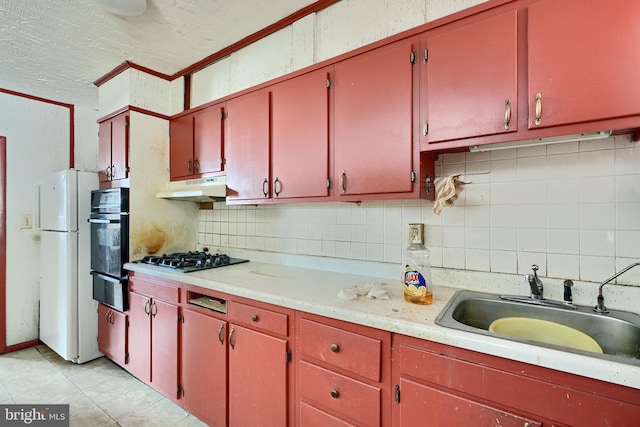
(335, 348)
(254, 317)
(335, 394)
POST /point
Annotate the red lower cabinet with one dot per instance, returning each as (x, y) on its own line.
(343, 373)
(204, 367)
(437, 385)
(112, 334)
(153, 333)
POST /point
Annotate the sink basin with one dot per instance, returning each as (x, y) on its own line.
(616, 333)
(544, 331)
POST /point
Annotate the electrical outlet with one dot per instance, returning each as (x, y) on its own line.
(26, 221)
(416, 230)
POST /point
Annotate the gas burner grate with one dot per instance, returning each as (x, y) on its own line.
(191, 261)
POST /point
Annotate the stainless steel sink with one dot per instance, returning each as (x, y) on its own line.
(618, 332)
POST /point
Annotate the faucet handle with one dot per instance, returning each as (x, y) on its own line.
(535, 268)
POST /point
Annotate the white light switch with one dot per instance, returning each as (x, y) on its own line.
(26, 221)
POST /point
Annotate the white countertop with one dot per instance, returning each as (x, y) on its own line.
(316, 291)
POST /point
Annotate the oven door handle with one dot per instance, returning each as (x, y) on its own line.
(103, 221)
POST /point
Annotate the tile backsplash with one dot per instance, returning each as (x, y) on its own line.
(571, 208)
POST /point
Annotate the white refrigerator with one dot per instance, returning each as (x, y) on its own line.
(68, 312)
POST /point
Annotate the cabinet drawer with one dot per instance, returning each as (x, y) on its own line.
(258, 318)
(339, 393)
(313, 417)
(347, 350)
(154, 289)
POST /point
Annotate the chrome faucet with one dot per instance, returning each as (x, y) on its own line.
(535, 283)
(600, 307)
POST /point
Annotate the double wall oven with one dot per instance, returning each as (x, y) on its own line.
(110, 246)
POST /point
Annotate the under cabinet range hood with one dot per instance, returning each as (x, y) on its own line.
(207, 189)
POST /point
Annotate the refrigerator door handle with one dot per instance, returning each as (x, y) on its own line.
(36, 207)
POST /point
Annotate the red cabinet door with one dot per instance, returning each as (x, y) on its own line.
(139, 336)
(112, 334)
(419, 403)
(104, 151)
(204, 367)
(472, 78)
(120, 146)
(247, 146)
(181, 146)
(257, 379)
(300, 136)
(581, 74)
(164, 348)
(373, 108)
(207, 140)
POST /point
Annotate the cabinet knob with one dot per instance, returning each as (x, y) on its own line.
(335, 394)
(335, 348)
(254, 317)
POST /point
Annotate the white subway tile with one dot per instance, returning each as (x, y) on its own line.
(596, 163)
(532, 240)
(597, 216)
(504, 193)
(597, 242)
(566, 190)
(453, 237)
(375, 233)
(504, 262)
(597, 190)
(563, 241)
(358, 233)
(532, 216)
(527, 259)
(359, 250)
(504, 216)
(375, 252)
(628, 216)
(453, 258)
(504, 239)
(628, 244)
(477, 216)
(628, 188)
(478, 260)
(563, 266)
(596, 268)
(478, 238)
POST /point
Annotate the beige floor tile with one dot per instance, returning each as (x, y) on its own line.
(99, 393)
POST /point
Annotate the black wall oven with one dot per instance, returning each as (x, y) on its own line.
(110, 246)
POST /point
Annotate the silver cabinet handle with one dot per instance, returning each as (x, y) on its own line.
(221, 334)
(277, 187)
(538, 120)
(507, 114)
(265, 187)
(232, 341)
(343, 181)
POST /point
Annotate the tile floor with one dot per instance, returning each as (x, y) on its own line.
(100, 393)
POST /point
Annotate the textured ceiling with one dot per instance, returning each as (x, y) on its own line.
(56, 49)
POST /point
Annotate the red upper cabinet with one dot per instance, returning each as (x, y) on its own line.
(247, 146)
(300, 136)
(197, 143)
(583, 61)
(113, 148)
(373, 121)
(471, 79)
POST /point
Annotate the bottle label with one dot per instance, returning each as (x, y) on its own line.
(414, 282)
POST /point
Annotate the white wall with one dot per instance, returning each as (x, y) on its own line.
(37, 144)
